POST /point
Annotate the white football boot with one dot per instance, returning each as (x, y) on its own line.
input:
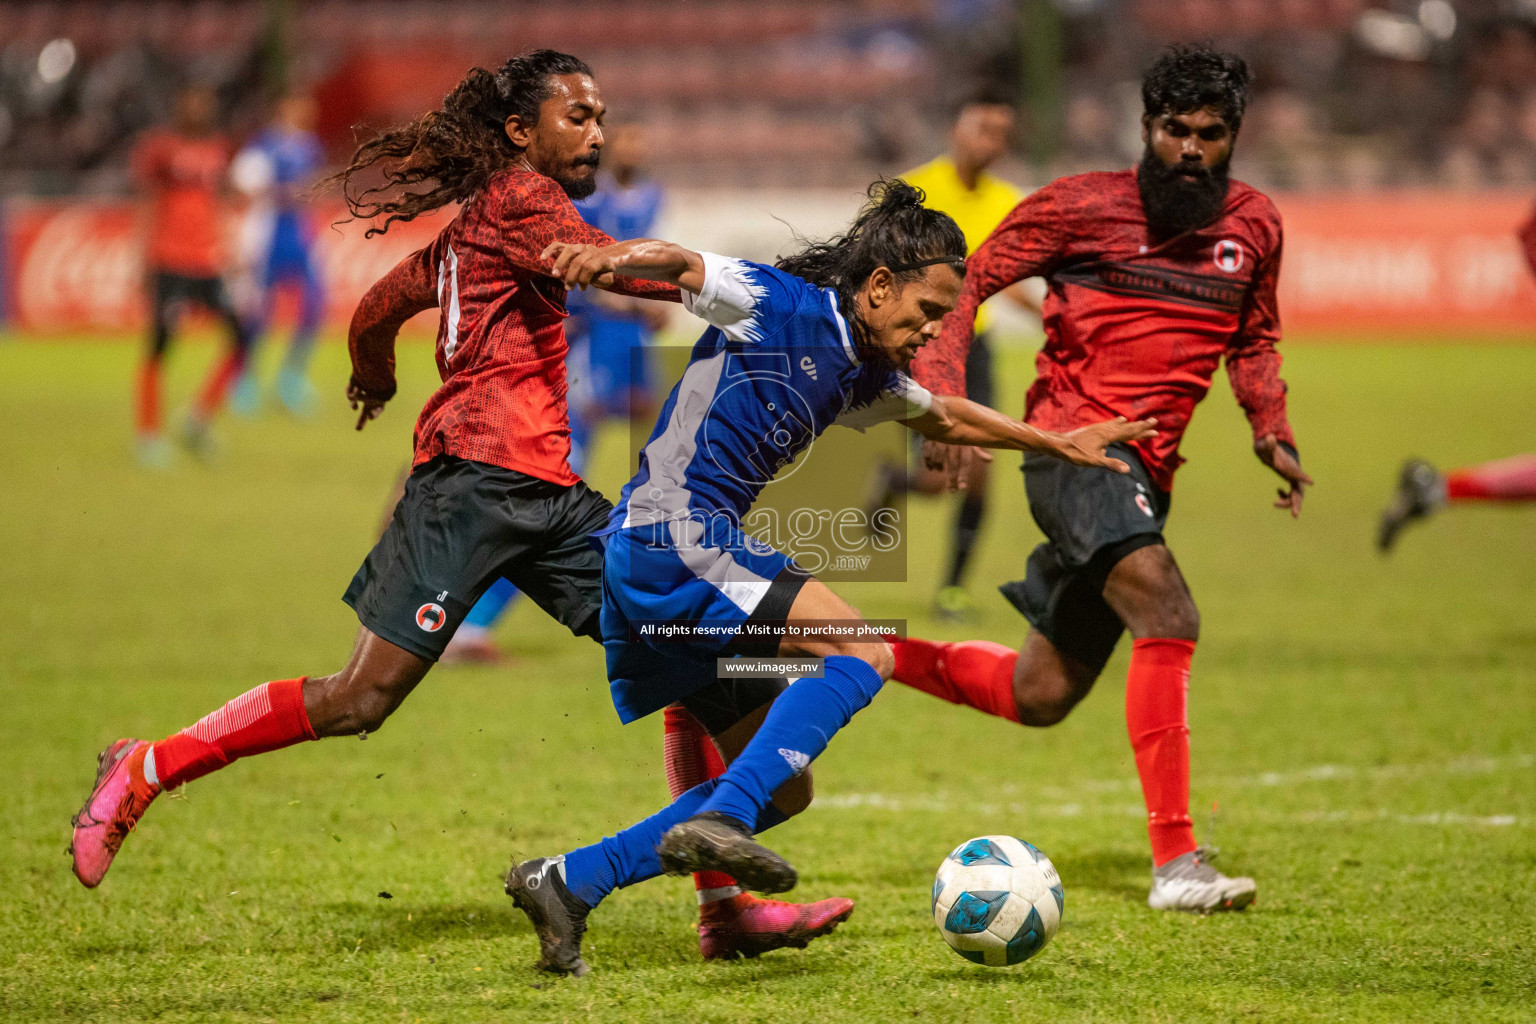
(1190, 883)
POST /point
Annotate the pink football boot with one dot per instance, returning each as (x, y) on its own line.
(108, 816)
(748, 926)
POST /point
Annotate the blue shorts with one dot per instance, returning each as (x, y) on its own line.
(710, 582)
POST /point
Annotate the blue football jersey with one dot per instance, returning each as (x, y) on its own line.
(296, 157)
(622, 213)
(775, 369)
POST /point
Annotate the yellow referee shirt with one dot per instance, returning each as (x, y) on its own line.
(977, 210)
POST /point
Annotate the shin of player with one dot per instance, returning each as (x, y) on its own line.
(733, 923)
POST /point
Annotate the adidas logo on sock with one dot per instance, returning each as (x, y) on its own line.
(797, 761)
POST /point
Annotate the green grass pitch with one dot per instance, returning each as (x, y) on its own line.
(1363, 726)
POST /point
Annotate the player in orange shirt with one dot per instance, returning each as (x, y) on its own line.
(181, 171)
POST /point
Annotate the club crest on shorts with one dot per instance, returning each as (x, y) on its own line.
(1141, 503)
(1228, 255)
(430, 617)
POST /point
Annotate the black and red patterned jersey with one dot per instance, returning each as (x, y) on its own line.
(501, 343)
(1133, 327)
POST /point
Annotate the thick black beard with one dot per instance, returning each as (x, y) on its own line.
(1175, 203)
(581, 188)
(578, 188)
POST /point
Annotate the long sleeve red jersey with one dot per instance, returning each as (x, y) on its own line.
(501, 343)
(1132, 328)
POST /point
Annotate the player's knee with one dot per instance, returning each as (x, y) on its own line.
(1042, 711)
(795, 795)
(878, 656)
(345, 704)
(1174, 617)
(1186, 621)
(1044, 702)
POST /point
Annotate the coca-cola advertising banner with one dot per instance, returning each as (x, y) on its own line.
(1408, 263)
(79, 266)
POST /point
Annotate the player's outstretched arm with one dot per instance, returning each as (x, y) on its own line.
(960, 421)
(582, 266)
(396, 297)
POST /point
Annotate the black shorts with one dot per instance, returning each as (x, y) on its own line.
(168, 292)
(727, 701)
(978, 370)
(462, 525)
(1091, 518)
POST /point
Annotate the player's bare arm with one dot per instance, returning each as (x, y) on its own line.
(396, 297)
(959, 421)
(582, 266)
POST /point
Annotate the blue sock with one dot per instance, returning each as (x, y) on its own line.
(491, 604)
(630, 856)
(796, 731)
(770, 818)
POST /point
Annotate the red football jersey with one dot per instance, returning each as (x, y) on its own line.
(182, 177)
(501, 343)
(1133, 328)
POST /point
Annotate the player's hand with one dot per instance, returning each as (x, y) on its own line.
(1085, 445)
(579, 265)
(1274, 455)
(368, 406)
(954, 461)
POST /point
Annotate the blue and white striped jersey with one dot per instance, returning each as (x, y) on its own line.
(776, 368)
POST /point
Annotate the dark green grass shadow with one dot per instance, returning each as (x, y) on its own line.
(1115, 872)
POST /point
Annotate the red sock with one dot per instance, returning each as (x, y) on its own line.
(691, 758)
(149, 398)
(1157, 717)
(1512, 479)
(211, 398)
(976, 673)
(269, 717)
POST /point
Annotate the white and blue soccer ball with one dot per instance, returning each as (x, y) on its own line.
(997, 900)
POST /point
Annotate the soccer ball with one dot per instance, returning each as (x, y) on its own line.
(997, 900)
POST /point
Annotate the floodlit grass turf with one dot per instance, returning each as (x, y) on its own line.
(1366, 726)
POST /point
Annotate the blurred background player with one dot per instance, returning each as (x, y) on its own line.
(959, 184)
(276, 171)
(1156, 274)
(181, 170)
(611, 373)
(609, 365)
(1422, 490)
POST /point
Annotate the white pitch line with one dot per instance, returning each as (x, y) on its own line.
(938, 803)
(1315, 773)
(941, 802)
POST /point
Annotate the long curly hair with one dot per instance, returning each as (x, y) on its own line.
(458, 147)
(893, 230)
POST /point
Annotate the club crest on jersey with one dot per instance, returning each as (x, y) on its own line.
(1228, 255)
(430, 617)
(1141, 503)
